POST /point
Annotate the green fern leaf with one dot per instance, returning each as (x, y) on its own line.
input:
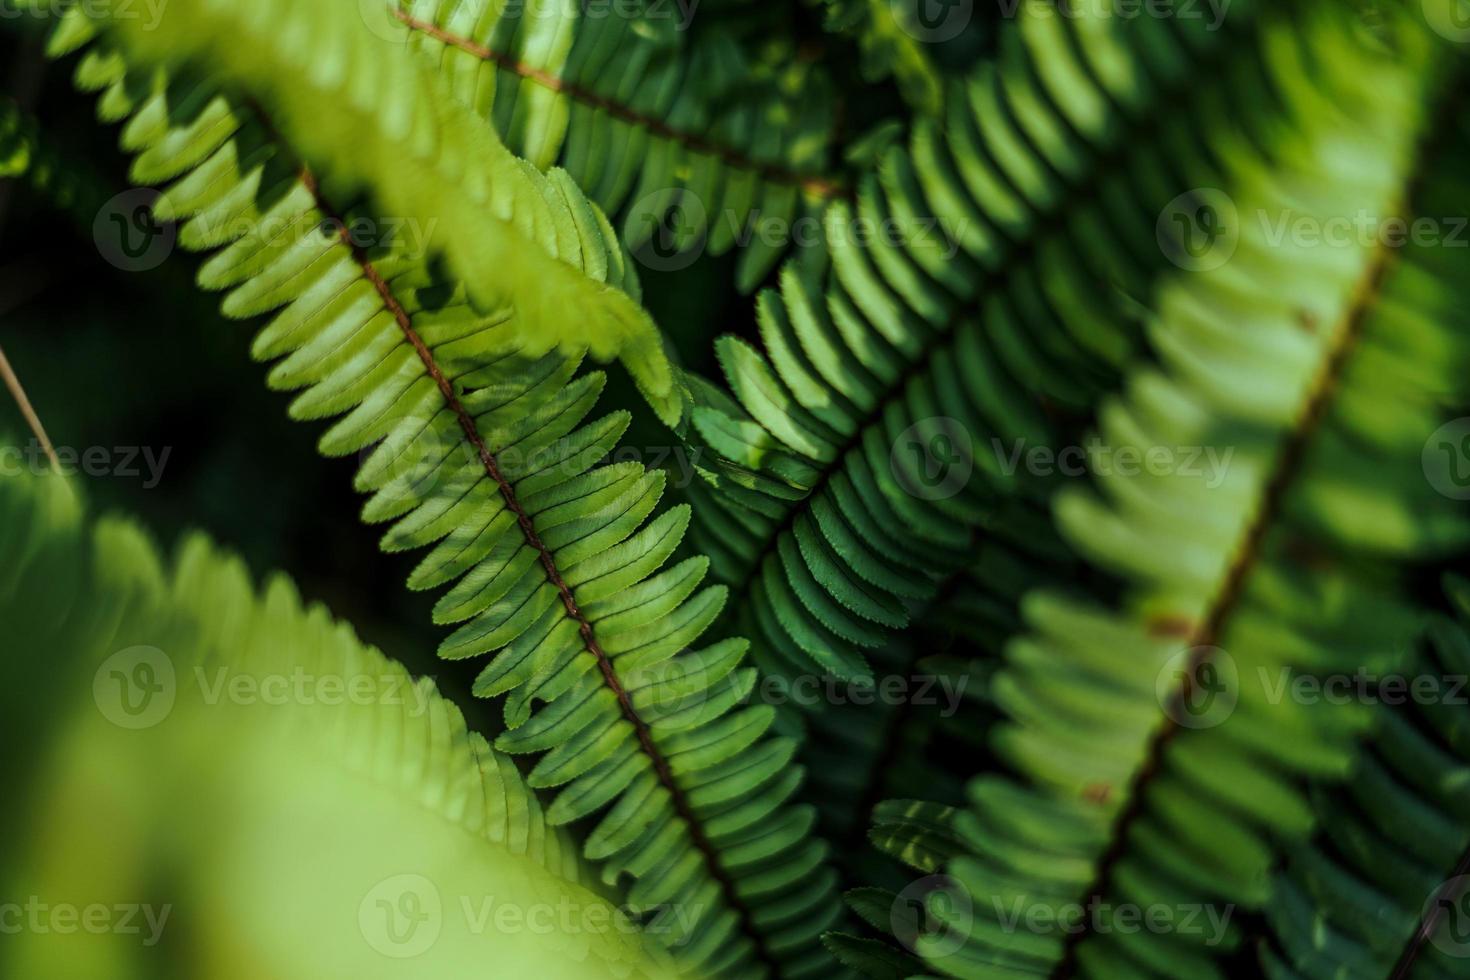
(479, 452)
(645, 114)
(1336, 904)
(324, 779)
(1160, 773)
(513, 236)
(884, 409)
(872, 958)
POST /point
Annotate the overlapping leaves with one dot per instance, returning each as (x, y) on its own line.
(1152, 767)
(682, 135)
(369, 116)
(1337, 905)
(478, 449)
(89, 607)
(872, 438)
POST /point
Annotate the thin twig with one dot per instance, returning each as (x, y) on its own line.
(32, 419)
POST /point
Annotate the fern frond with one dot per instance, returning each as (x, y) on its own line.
(924, 730)
(647, 116)
(929, 744)
(869, 442)
(479, 452)
(918, 833)
(1156, 770)
(1339, 905)
(374, 117)
(872, 957)
(384, 754)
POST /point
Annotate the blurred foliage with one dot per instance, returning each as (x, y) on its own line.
(1075, 162)
(224, 782)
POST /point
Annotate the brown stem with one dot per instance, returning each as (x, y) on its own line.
(1203, 639)
(466, 421)
(1289, 462)
(18, 392)
(1428, 923)
(823, 187)
(1021, 253)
